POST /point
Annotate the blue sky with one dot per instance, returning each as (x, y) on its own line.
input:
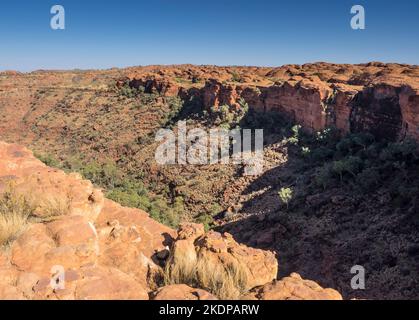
(104, 34)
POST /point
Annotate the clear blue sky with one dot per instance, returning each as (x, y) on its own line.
(104, 34)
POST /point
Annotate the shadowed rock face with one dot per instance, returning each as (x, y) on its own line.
(377, 110)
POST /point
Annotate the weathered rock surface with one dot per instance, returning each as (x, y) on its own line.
(221, 250)
(182, 292)
(292, 288)
(106, 250)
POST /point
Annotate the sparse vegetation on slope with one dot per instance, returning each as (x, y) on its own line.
(122, 188)
(360, 164)
(352, 196)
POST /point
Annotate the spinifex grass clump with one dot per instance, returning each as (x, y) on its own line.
(15, 211)
(18, 210)
(227, 282)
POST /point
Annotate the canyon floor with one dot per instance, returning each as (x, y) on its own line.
(341, 137)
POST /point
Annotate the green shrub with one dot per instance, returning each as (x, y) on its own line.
(323, 176)
(285, 195)
(327, 137)
(207, 220)
(295, 135)
(305, 151)
(368, 178)
(321, 154)
(228, 117)
(130, 92)
(396, 151)
(351, 165)
(176, 106)
(120, 187)
(161, 212)
(48, 159)
(235, 77)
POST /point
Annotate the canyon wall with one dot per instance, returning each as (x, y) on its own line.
(378, 98)
(385, 110)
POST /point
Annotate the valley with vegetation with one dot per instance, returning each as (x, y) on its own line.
(339, 186)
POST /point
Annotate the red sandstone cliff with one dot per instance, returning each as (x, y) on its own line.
(380, 98)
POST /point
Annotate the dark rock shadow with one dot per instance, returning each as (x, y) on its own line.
(322, 236)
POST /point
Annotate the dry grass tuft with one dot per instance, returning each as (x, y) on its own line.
(227, 282)
(18, 210)
(15, 210)
(181, 268)
(48, 209)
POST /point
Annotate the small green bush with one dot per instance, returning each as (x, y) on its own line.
(285, 195)
(48, 159)
(368, 178)
(323, 176)
(235, 77)
(130, 92)
(351, 165)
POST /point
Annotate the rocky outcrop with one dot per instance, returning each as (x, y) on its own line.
(292, 288)
(314, 94)
(158, 85)
(201, 256)
(106, 251)
(51, 189)
(339, 106)
(93, 248)
(216, 94)
(182, 292)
